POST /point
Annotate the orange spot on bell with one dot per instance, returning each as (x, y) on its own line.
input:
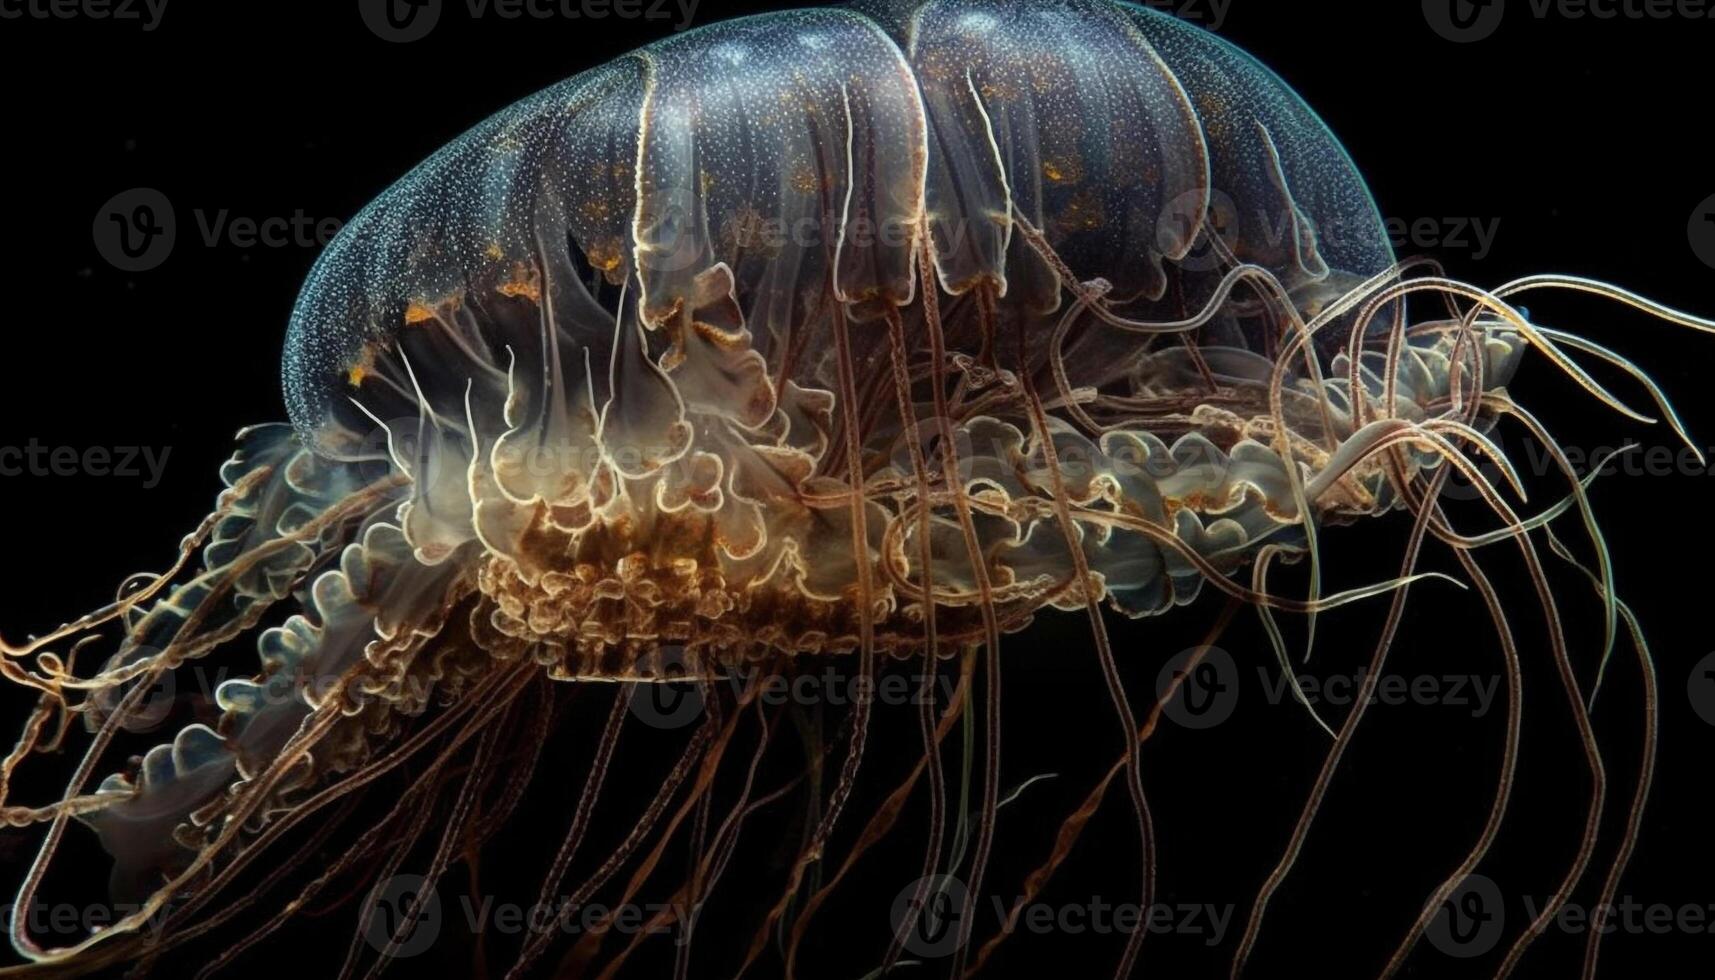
(362, 367)
(523, 283)
(528, 290)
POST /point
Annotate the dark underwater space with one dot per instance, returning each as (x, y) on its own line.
(1558, 143)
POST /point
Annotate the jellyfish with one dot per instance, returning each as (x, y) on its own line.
(847, 339)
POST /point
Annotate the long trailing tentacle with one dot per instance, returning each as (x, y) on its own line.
(883, 820)
(182, 619)
(1392, 438)
(1073, 826)
(693, 751)
(580, 817)
(470, 715)
(480, 775)
(415, 831)
(967, 528)
(1579, 284)
(184, 925)
(1646, 768)
(898, 358)
(583, 953)
(1348, 730)
(1104, 657)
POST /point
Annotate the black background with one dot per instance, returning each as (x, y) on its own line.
(1581, 137)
